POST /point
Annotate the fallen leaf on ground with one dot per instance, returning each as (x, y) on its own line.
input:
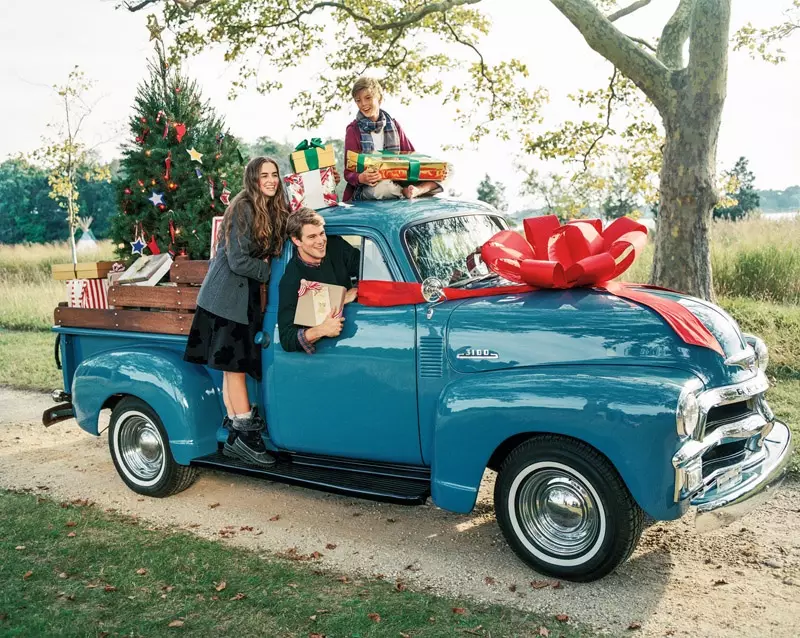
(141, 571)
(292, 585)
(316, 555)
(19, 548)
(175, 623)
(404, 635)
(719, 582)
(109, 588)
(167, 588)
(239, 596)
(63, 575)
(512, 588)
(475, 631)
(459, 610)
(330, 546)
(413, 568)
(557, 584)
(374, 617)
(103, 634)
(70, 524)
(540, 584)
(489, 580)
(71, 535)
(562, 617)
(635, 625)
(246, 528)
(391, 520)
(314, 635)
(221, 585)
(343, 579)
(312, 617)
(277, 517)
(91, 586)
(400, 586)
(544, 631)
(211, 506)
(27, 575)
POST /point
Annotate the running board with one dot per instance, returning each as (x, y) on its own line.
(387, 482)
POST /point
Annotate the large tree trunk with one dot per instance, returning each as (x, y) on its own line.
(682, 257)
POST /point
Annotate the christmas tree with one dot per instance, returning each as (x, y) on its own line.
(180, 170)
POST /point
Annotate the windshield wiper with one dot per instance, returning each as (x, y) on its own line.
(471, 280)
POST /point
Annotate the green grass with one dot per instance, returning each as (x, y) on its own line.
(26, 361)
(93, 584)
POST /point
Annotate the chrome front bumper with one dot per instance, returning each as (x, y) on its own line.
(729, 469)
(720, 505)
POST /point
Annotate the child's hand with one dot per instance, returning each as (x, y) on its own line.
(370, 176)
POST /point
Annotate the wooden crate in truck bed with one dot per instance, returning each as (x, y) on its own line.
(161, 309)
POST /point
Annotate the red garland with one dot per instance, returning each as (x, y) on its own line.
(578, 254)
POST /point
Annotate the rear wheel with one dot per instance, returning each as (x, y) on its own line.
(564, 509)
(140, 450)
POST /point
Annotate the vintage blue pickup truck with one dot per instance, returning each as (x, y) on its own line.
(589, 408)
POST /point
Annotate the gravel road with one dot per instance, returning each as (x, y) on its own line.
(743, 580)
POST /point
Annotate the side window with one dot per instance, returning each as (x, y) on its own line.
(373, 265)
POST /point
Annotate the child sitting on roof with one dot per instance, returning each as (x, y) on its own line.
(372, 131)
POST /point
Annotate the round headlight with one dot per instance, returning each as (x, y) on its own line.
(761, 350)
(688, 413)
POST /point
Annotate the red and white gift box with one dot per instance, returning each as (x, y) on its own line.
(312, 189)
(87, 293)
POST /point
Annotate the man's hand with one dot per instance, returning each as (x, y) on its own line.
(351, 295)
(331, 327)
(370, 176)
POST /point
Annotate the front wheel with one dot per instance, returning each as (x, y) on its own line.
(140, 450)
(564, 509)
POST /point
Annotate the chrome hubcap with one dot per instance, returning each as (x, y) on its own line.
(141, 447)
(558, 513)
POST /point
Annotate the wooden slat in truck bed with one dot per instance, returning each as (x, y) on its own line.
(172, 297)
(176, 323)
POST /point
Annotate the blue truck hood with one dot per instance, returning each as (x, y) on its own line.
(580, 326)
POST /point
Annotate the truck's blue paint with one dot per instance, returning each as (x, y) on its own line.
(392, 387)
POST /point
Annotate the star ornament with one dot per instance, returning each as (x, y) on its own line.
(154, 28)
(157, 198)
(137, 246)
(194, 155)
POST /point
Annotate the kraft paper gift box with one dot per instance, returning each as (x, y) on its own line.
(316, 301)
(313, 189)
(310, 155)
(403, 167)
(85, 270)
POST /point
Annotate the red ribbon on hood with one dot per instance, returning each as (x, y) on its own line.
(578, 254)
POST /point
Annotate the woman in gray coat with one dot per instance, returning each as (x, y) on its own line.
(228, 312)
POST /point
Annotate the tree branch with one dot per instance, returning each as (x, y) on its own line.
(411, 18)
(644, 43)
(643, 69)
(674, 35)
(628, 10)
(611, 97)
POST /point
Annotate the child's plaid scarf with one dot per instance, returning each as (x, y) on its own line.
(391, 141)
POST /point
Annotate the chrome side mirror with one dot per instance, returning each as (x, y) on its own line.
(433, 290)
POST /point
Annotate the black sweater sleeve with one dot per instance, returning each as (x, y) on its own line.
(287, 305)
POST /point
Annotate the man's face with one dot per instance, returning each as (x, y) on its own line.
(313, 244)
(368, 103)
(268, 179)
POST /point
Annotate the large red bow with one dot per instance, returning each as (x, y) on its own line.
(579, 253)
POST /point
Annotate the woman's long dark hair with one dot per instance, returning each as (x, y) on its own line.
(269, 213)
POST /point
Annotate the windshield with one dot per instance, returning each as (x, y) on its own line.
(449, 248)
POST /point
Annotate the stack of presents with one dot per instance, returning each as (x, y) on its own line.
(312, 184)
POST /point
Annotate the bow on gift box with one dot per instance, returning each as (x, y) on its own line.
(578, 254)
(314, 142)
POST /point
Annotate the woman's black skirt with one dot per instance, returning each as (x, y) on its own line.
(226, 345)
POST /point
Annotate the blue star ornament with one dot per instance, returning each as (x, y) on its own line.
(137, 246)
(157, 198)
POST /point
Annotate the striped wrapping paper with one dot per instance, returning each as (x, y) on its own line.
(87, 293)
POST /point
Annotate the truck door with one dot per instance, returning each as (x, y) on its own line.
(356, 397)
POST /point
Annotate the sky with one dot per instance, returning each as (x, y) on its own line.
(112, 47)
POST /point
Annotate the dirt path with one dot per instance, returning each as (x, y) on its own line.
(743, 580)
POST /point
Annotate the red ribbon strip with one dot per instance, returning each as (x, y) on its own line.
(578, 254)
(305, 286)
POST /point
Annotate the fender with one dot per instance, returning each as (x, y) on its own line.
(181, 393)
(615, 409)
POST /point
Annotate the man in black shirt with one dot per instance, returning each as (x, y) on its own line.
(316, 258)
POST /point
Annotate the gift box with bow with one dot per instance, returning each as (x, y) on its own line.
(312, 154)
(312, 189)
(405, 167)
